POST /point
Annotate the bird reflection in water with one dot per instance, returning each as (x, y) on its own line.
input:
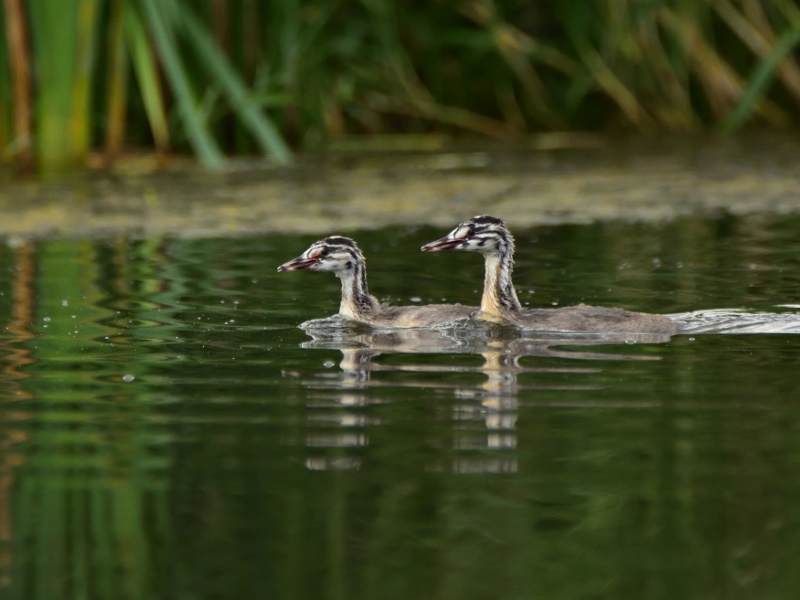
(484, 415)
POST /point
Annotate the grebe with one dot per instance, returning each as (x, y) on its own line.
(342, 256)
(489, 236)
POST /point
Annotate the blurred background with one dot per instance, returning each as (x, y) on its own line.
(87, 81)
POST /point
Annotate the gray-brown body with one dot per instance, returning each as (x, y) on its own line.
(499, 303)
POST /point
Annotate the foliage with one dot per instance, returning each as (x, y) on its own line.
(236, 76)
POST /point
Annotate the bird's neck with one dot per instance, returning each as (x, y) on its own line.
(499, 298)
(356, 303)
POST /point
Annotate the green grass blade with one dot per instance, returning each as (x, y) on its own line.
(756, 33)
(117, 85)
(790, 11)
(234, 88)
(80, 123)
(196, 128)
(760, 81)
(578, 19)
(144, 65)
(53, 33)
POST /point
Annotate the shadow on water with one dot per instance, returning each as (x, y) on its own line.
(166, 430)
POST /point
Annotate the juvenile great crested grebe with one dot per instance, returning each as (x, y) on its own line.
(342, 256)
(489, 236)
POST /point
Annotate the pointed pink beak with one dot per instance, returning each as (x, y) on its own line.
(443, 244)
(298, 264)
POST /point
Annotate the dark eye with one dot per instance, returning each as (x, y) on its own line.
(324, 252)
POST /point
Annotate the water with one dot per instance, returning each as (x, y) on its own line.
(168, 431)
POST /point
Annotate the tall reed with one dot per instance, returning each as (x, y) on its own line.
(216, 77)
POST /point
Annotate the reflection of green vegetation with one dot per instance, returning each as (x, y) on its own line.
(636, 479)
(245, 74)
(90, 503)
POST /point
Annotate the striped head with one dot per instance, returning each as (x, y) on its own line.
(484, 234)
(338, 254)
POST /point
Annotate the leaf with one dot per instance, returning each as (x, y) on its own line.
(760, 81)
(234, 88)
(144, 65)
(197, 131)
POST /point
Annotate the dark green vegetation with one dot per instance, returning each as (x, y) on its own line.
(164, 435)
(246, 76)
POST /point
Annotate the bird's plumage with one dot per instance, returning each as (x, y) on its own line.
(343, 257)
(489, 236)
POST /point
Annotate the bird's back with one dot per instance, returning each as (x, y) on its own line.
(420, 316)
(592, 319)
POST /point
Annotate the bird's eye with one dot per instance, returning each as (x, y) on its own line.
(324, 252)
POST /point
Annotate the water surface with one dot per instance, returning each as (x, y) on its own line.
(168, 432)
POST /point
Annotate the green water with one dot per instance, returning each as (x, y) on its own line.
(168, 431)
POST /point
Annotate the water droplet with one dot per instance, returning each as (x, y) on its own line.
(691, 339)
(128, 378)
(328, 364)
(64, 303)
(630, 342)
(46, 319)
(415, 299)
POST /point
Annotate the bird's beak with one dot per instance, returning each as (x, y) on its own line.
(298, 264)
(446, 243)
